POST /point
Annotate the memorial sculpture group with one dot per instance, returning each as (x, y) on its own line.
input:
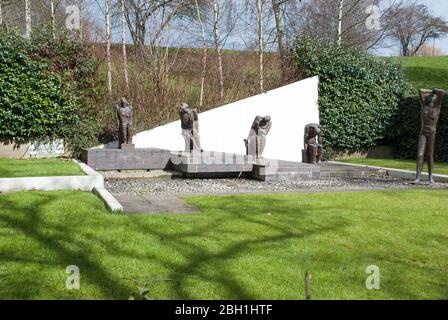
(431, 102)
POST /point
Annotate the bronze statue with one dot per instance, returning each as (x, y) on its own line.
(190, 128)
(431, 101)
(312, 140)
(124, 114)
(256, 141)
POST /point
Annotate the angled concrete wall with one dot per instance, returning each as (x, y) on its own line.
(223, 129)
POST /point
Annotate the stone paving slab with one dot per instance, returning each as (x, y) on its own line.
(154, 204)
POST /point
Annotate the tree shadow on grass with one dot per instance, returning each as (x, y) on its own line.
(67, 250)
(198, 255)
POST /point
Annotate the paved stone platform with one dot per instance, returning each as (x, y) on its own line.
(127, 159)
(154, 204)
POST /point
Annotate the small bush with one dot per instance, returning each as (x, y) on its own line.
(358, 94)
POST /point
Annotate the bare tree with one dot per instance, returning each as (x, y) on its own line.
(108, 39)
(27, 18)
(1, 14)
(217, 38)
(340, 16)
(53, 19)
(81, 16)
(276, 8)
(123, 44)
(413, 25)
(204, 56)
(344, 21)
(260, 8)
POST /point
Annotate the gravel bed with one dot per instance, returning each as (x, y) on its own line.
(235, 186)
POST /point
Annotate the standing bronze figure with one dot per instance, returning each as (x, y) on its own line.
(256, 141)
(431, 101)
(312, 140)
(125, 131)
(190, 128)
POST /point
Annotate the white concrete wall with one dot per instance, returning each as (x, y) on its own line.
(223, 129)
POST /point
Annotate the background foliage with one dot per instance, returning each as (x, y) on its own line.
(46, 85)
(358, 94)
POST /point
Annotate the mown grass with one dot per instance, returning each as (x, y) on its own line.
(426, 72)
(10, 168)
(238, 247)
(440, 168)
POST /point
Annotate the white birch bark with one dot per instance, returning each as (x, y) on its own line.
(108, 38)
(218, 45)
(123, 44)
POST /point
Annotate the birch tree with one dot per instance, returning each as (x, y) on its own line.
(260, 7)
(81, 8)
(108, 38)
(217, 38)
(123, 44)
(279, 28)
(53, 20)
(27, 18)
(340, 16)
(1, 14)
(204, 56)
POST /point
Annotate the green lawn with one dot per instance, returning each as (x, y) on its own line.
(426, 72)
(238, 247)
(440, 168)
(38, 168)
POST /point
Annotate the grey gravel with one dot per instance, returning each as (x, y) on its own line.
(238, 186)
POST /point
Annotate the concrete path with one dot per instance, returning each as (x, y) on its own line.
(154, 204)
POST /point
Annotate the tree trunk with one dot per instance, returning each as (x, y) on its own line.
(109, 63)
(81, 8)
(218, 45)
(341, 12)
(123, 43)
(260, 42)
(204, 57)
(53, 22)
(1, 14)
(280, 31)
(27, 19)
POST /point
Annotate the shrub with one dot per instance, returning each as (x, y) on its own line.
(47, 90)
(358, 94)
(405, 130)
(34, 103)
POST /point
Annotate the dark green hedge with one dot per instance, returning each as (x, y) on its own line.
(404, 132)
(358, 94)
(46, 89)
(33, 102)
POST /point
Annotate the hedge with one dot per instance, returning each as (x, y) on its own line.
(404, 132)
(358, 94)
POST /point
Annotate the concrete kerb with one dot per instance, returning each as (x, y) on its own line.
(92, 181)
(109, 200)
(396, 173)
